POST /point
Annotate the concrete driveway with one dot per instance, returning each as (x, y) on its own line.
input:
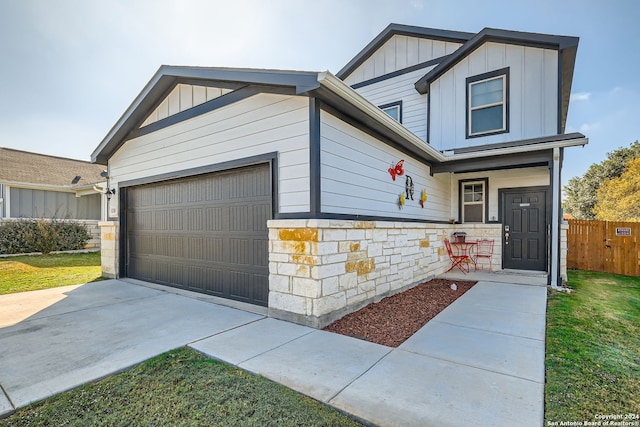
(479, 362)
(57, 339)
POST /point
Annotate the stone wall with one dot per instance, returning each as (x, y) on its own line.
(110, 252)
(484, 231)
(94, 233)
(321, 270)
(564, 229)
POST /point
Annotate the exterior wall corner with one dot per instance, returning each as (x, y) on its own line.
(109, 248)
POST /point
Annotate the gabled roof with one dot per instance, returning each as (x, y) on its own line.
(24, 167)
(404, 30)
(566, 46)
(333, 91)
(167, 77)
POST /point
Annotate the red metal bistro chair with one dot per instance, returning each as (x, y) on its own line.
(484, 250)
(459, 261)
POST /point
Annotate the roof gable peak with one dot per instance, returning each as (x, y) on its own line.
(405, 30)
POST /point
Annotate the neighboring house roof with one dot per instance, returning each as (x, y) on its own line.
(566, 46)
(403, 30)
(23, 167)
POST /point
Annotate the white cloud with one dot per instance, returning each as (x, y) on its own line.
(588, 127)
(580, 96)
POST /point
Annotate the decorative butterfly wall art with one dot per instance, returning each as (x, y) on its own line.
(396, 170)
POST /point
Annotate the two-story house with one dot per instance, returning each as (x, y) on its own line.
(314, 194)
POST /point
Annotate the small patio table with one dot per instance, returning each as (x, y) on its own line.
(466, 249)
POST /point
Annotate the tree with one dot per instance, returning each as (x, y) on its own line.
(580, 192)
(619, 198)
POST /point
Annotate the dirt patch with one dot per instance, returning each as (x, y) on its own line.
(394, 319)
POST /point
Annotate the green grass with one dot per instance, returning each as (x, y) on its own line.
(30, 273)
(180, 388)
(593, 348)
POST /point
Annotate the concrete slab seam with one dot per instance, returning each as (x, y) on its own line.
(224, 331)
(472, 366)
(486, 330)
(7, 396)
(272, 349)
(275, 348)
(359, 376)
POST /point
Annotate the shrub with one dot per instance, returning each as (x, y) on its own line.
(41, 235)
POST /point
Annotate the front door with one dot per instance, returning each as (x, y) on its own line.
(524, 228)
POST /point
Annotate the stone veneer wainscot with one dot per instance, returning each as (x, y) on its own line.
(321, 270)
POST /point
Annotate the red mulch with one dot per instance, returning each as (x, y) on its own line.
(394, 319)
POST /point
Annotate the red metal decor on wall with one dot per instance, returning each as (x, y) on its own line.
(396, 170)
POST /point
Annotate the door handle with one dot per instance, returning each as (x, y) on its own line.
(506, 238)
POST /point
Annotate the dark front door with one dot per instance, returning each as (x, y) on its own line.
(524, 233)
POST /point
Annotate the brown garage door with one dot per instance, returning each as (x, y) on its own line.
(206, 233)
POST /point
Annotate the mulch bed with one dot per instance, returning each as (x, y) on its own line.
(394, 319)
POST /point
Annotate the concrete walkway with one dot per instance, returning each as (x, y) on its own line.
(479, 362)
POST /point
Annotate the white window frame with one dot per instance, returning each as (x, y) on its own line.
(393, 106)
(472, 81)
(483, 202)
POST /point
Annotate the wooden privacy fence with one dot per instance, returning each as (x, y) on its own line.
(606, 246)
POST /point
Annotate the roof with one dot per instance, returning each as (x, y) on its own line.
(404, 30)
(168, 76)
(24, 167)
(323, 85)
(333, 91)
(566, 46)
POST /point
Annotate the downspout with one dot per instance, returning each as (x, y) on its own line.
(555, 219)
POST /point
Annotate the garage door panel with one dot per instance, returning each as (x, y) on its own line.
(169, 273)
(260, 251)
(239, 251)
(215, 219)
(169, 220)
(206, 233)
(141, 268)
(170, 246)
(259, 216)
(243, 286)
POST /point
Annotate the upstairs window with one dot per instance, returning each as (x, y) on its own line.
(393, 109)
(487, 102)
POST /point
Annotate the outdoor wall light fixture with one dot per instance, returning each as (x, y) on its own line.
(110, 192)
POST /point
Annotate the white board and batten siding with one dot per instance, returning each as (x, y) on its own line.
(533, 87)
(355, 178)
(260, 124)
(499, 179)
(401, 88)
(183, 97)
(400, 52)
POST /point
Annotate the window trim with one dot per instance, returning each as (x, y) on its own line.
(470, 81)
(396, 104)
(485, 212)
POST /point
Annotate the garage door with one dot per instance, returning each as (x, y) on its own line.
(206, 233)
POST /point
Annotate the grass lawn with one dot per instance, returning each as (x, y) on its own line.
(30, 273)
(593, 349)
(180, 388)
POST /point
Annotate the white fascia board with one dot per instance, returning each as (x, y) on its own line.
(345, 92)
(519, 149)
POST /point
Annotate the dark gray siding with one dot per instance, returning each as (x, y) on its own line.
(206, 233)
(28, 203)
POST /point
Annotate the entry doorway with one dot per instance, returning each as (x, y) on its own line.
(524, 228)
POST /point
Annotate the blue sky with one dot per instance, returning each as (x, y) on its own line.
(69, 68)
